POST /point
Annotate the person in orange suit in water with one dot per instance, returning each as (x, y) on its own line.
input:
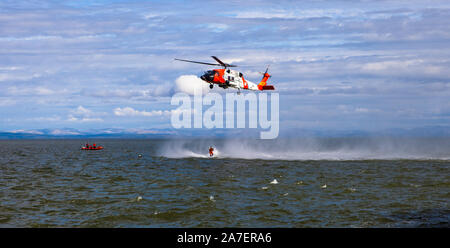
(211, 151)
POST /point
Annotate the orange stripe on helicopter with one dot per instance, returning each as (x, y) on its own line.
(245, 83)
(218, 77)
(263, 81)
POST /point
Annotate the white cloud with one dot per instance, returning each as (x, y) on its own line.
(83, 119)
(32, 91)
(218, 27)
(18, 76)
(46, 119)
(63, 132)
(190, 84)
(362, 110)
(30, 38)
(82, 111)
(26, 131)
(148, 91)
(82, 114)
(128, 111)
(299, 13)
(7, 102)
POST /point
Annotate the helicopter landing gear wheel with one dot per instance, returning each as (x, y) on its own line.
(211, 86)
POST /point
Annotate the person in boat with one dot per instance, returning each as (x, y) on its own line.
(94, 146)
(87, 145)
(211, 151)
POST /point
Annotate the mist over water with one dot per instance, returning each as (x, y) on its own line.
(312, 148)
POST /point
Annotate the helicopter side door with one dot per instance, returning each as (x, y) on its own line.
(236, 80)
(240, 80)
(230, 77)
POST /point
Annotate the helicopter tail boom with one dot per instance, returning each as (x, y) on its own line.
(268, 87)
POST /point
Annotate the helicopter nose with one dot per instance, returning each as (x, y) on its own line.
(207, 77)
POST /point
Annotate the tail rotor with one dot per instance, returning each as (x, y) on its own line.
(264, 74)
(263, 84)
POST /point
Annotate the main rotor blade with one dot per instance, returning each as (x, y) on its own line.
(222, 63)
(190, 61)
(267, 69)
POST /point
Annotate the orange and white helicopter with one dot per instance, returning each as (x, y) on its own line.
(226, 77)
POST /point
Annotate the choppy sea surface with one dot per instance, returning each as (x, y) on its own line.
(372, 182)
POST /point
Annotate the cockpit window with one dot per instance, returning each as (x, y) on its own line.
(209, 75)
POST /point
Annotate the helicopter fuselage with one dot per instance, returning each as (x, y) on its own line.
(225, 78)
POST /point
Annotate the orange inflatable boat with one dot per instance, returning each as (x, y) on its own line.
(92, 148)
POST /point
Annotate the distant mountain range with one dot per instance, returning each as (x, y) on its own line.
(75, 133)
(59, 133)
(72, 133)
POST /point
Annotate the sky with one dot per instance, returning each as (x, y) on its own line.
(337, 65)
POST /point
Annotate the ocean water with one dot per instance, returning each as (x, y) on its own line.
(311, 182)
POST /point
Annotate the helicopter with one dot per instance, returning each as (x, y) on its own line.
(227, 78)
